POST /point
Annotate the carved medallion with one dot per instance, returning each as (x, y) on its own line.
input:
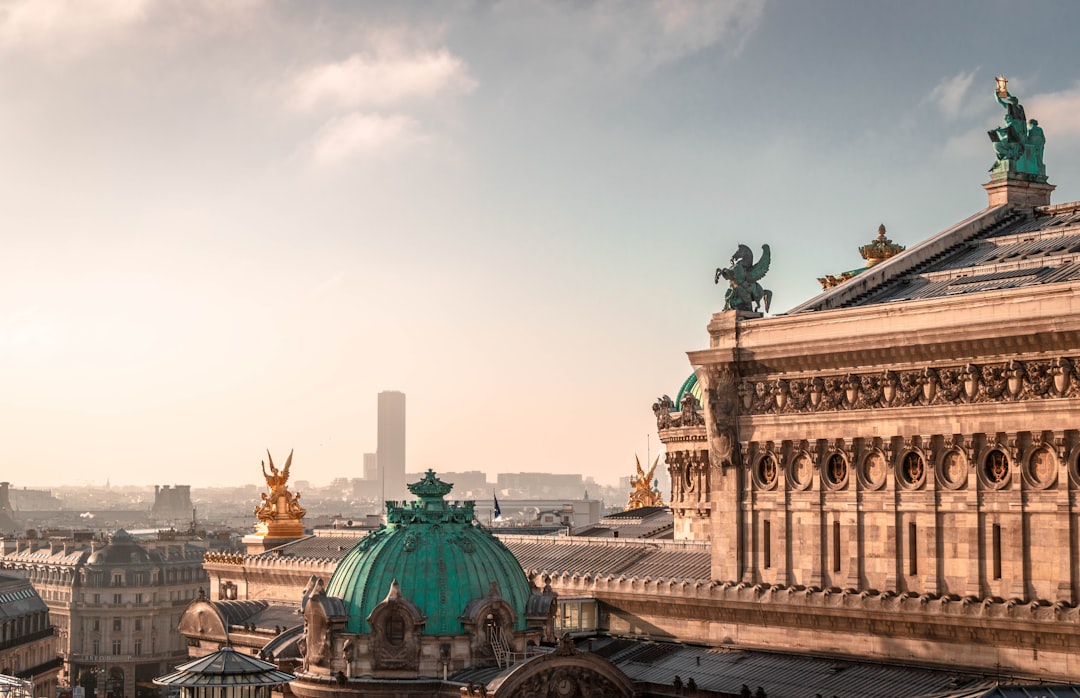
(874, 469)
(1041, 468)
(953, 469)
(765, 473)
(835, 473)
(995, 469)
(801, 472)
(912, 471)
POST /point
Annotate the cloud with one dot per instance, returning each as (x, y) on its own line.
(634, 36)
(65, 29)
(950, 95)
(66, 25)
(357, 133)
(378, 81)
(1056, 112)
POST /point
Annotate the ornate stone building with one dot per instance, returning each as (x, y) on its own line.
(905, 441)
(27, 641)
(115, 606)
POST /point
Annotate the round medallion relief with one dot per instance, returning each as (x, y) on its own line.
(1074, 466)
(995, 468)
(912, 470)
(1041, 468)
(835, 473)
(802, 471)
(765, 473)
(953, 469)
(874, 469)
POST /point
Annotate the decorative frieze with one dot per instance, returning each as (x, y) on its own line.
(1007, 381)
(913, 461)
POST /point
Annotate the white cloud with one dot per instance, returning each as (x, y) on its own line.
(363, 80)
(66, 25)
(687, 26)
(631, 36)
(1057, 112)
(362, 133)
(950, 95)
(66, 29)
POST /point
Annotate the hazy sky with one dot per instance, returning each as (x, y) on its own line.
(228, 225)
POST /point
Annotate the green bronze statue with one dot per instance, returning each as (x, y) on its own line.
(1019, 143)
(744, 292)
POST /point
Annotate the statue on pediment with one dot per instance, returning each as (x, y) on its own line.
(1020, 142)
(744, 292)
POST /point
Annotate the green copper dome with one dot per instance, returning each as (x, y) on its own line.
(439, 557)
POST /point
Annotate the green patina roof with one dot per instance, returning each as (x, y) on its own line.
(690, 385)
(439, 557)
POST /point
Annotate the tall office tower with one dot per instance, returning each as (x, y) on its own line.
(371, 467)
(390, 450)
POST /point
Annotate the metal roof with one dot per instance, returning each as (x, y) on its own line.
(1027, 249)
(780, 675)
(226, 667)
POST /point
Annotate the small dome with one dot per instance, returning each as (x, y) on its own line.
(121, 550)
(440, 559)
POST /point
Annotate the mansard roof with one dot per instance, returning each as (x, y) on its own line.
(998, 248)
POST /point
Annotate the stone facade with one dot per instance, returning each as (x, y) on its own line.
(27, 640)
(115, 606)
(894, 464)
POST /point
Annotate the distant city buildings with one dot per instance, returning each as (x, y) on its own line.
(390, 454)
(172, 503)
(371, 467)
(7, 515)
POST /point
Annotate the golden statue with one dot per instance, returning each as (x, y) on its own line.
(279, 512)
(643, 490)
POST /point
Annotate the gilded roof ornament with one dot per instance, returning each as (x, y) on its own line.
(279, 512)
(644, 489)
(880, 249)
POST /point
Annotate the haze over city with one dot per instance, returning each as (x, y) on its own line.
(228, 226)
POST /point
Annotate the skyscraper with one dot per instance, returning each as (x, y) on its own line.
(390, 450)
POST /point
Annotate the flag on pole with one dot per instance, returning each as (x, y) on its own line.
(496, 509)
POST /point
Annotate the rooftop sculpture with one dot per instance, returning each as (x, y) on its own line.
(644, 489)
(1019, 143)
(744, 292)
(279, 508)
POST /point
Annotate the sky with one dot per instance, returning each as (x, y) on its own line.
(226, 227)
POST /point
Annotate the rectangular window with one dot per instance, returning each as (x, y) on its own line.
(97, 625)
(118, 579)
(138, 598)
(138, 624)
(116, 625)
(997, 551)
(913, 557)
(836, 546)
(138, 647)
(97, 647)
(766, 543)
(116, 647)
(97, 599)
(118, 598)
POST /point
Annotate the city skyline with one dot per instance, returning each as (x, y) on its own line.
(228, 228)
